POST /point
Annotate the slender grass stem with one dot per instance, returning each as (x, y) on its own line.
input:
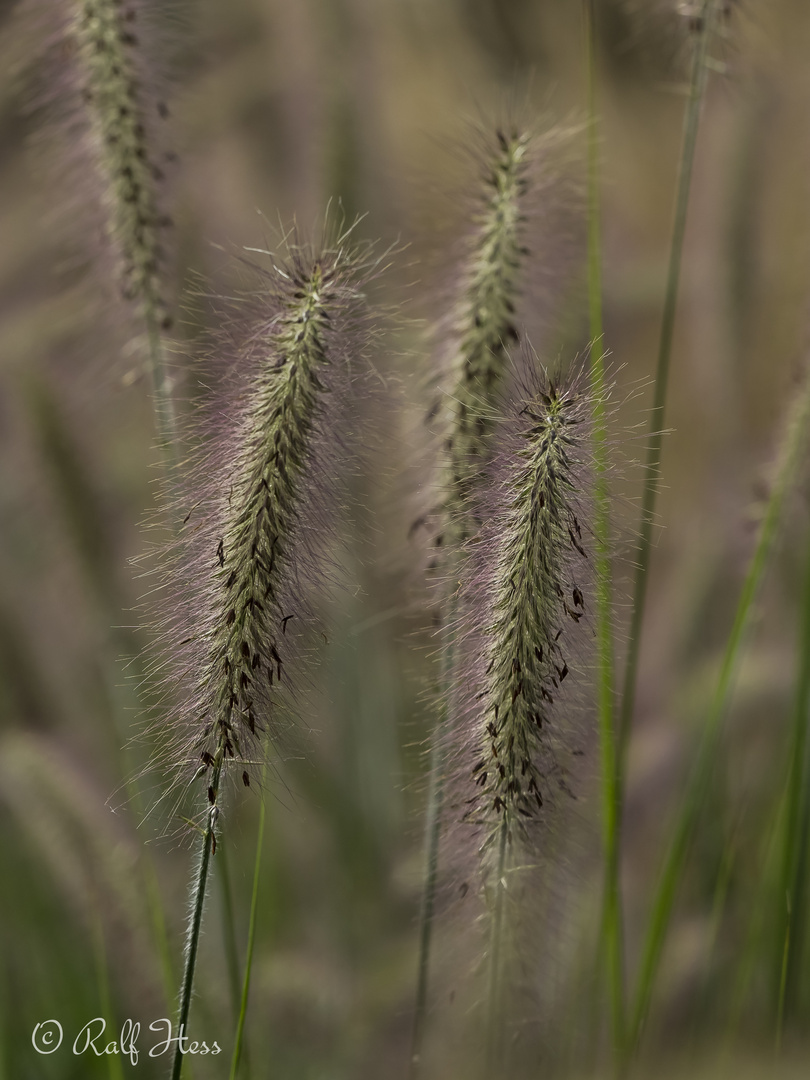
(157, 919)
(758, 907)
(114, 1067)
(486, 326)
(433, 826)
(793, 451)
(194, 924)
(494, 1035)
(432, 836)
(791, 924)
(697, 89)
(612, 934)
(254, 907)
(228, 930)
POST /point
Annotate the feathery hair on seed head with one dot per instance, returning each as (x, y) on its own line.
(263, 480)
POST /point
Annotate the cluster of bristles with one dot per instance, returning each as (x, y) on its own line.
(536, 540)
(106, 40)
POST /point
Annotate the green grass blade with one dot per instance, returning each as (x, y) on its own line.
(793, 451)
(254, 907)
(792, 898)
(697, 89)
(612, 936)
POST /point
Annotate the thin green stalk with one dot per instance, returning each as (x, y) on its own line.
(721, 891)
(254, 907)
(697, 89)
(698, 82)
(793, 451)
(433, 825)
(780, 1005)
(432, 835)
(114, 1066)
(494, 1040)
(612, 934)
(758, 910)
(791, 927)
(195, 922)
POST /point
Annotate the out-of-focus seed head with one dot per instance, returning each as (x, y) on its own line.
(104, 93)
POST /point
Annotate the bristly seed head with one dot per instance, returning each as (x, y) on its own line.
(260, 478)
(537, 552)
(485, 326)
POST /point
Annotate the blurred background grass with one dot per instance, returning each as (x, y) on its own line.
(277, 108)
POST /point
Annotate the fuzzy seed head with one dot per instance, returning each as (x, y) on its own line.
(259, 499)
(536, 594)
(486, 316)
(252, 553)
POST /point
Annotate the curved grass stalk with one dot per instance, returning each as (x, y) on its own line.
(611, 936)
(792, 453)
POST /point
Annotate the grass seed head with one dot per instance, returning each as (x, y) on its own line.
(530, 598)
(265, 477)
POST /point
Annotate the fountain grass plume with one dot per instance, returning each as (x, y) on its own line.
(245, 562)
(527, 579)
